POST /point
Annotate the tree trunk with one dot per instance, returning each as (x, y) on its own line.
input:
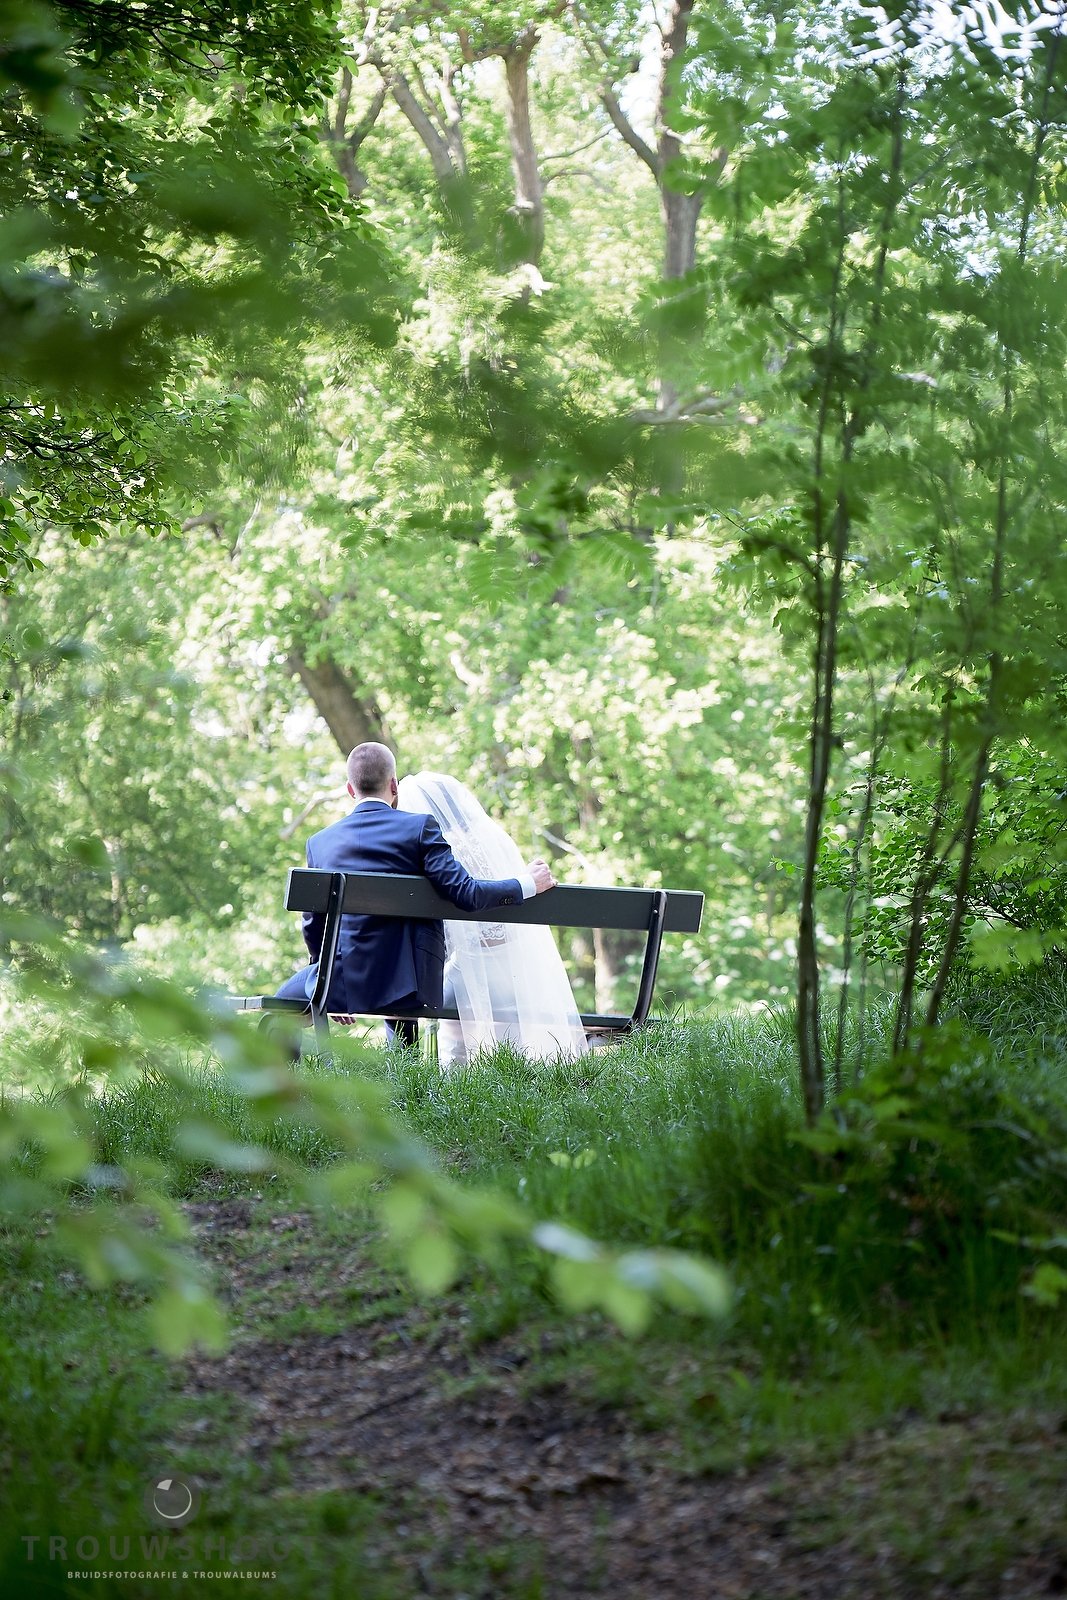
(345, 143)
(996, 586)
(821, 743)
(605, 974)
(610, 948)
(442, 137)
(681, 212)
(529, 208)
(613, 950)
(351, 719)
(931, 860)
(833, 544)
(951, 946)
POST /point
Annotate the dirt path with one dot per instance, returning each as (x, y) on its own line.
(396, 1403)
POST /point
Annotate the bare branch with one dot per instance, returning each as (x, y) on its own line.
(595, 178)
(590, 35)
(565, 155)
(338, 792)
(446, 155)
(369, 118)
(694, 408)
(599, 52)
(529, 190)
(609, 100)
(346, 145)
(569, 849)
(206, 519)
(235, 548)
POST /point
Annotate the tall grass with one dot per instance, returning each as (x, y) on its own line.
(143, 1118)
(1022, 1014)
(882, 1266)
(928, 1202)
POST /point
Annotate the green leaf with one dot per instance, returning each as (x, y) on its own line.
(206, 1143)
(185, 1317)
(432, 1260)
(559, 1240)
(1048, 1284)
(403, 1209)
(630, 1308)
(346, 1180)
(683, 1281)
(561, 1158)
(89, 851)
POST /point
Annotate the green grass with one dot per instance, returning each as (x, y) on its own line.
(881, 1274)
(92, 1418)
(927, 1208)
(142, 1118)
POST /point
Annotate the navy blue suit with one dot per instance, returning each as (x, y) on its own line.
(387, 961)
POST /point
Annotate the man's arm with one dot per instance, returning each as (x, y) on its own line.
(451, 879)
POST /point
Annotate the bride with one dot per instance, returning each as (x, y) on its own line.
(506, 980)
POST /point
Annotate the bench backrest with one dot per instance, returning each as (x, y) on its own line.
(567, 906)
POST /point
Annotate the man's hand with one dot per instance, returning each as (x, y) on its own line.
(541, 873)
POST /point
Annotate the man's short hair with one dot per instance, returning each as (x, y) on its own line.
(370, 766)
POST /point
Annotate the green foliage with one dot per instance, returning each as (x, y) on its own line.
(939, 1184)
(169, 238)
(542, 511)
(702, 1114)
(928, 1201)
(135, 792)
(79, 1178)
(1021, 1010)
(843, 339)
(598, 729)
(497, 379)
(908, 547)
(1017, 911)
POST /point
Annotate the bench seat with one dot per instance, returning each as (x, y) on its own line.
(653, 912)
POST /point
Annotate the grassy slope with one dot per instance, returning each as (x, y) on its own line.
(878, 1357)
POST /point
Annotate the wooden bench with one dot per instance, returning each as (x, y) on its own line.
(653, 912)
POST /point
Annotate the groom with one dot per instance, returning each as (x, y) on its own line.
(387, 962)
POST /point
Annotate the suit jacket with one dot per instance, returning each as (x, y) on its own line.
(384, 960)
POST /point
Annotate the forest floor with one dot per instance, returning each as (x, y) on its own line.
(499, 1464)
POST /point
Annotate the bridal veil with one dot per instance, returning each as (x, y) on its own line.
(506, 980)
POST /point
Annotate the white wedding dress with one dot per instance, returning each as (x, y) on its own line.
(507, 981)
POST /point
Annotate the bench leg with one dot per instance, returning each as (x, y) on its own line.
(650, 966)
(331, 938)
(286, 1028)
(322, 1035)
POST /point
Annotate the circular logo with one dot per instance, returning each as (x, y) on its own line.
(172, 1502)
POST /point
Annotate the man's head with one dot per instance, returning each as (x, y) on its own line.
(372, 773)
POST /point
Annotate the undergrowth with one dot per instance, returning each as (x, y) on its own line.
(930, 1201)
(898, 1261)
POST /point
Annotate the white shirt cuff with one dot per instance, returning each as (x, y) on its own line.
(527, 885)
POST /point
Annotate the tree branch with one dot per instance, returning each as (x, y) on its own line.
(338, 792)
(629, 133)
(346, 145)
(565, 155)
(343, 99)
(446, 156)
